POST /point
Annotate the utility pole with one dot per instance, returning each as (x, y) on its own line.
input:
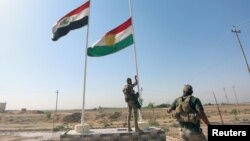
(235, 96)
(241, 47)
(218, 109)
(226, 95)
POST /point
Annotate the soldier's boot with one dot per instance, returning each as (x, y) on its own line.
(129, 119)
(137, 129)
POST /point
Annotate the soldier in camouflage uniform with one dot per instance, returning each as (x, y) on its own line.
(188, 112)
(132, 100)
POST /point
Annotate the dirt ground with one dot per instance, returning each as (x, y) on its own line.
(38, 125)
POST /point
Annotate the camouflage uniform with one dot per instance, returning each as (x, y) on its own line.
(189, 121)
(131, 99)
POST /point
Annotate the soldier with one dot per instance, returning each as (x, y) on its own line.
(188, 112)
(132, 100)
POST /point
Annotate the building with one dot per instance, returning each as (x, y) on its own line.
(2, 107)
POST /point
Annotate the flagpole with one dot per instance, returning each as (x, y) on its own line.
(135, 53)
(85, 70)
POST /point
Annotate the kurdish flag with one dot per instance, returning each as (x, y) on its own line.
(113, 41)
(75, 19)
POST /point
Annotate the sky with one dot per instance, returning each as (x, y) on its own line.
(178, 42)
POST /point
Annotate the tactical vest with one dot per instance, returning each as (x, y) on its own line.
(185, 113)
(128, 92)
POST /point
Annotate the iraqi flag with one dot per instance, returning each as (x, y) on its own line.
(75, 19)
(113, 41)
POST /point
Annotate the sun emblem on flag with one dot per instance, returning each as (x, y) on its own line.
(109, 39)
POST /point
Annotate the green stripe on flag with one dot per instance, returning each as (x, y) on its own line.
(98, 51)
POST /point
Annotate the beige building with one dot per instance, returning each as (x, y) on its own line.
(2, 107)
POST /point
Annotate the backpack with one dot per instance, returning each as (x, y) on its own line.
(184, 112)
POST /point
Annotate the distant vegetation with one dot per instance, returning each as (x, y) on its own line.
(235, 112)
(152, 105)
(48, 115)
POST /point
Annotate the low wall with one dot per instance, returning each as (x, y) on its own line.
(115, 134)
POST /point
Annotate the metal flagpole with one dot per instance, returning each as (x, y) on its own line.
(135, 53)
(136, 64)
(85, 70)
(218, 108)
(241, 47)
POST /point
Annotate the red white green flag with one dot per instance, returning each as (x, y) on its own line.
(113, 41)
(75, 19)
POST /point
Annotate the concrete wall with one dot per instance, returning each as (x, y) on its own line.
(2, 107)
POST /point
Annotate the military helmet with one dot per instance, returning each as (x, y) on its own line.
(188, 89)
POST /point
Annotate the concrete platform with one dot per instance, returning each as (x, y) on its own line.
(115, 134)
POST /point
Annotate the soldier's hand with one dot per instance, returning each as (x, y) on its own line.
(135, 77)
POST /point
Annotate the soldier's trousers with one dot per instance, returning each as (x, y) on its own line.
(132, 106)
(191, 135)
